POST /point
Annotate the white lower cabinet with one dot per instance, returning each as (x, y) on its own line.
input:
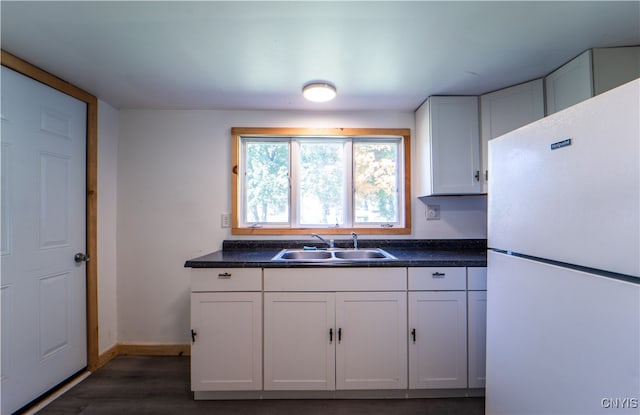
(326, 341)
(336, 329)
(438, 343)
(226, 329)
(323, 331)
(437, 327)
(226, 351)
(477, 324)
(477, 307)
(371, 348)
(299, 352)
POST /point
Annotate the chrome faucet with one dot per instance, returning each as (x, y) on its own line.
(329, 243)
(355, 240)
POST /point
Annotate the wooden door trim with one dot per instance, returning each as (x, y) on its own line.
(25, 68)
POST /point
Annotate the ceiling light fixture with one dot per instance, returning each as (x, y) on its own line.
(319, 91)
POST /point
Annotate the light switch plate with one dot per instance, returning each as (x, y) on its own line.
(225, 220)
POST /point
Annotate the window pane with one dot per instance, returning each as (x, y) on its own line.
(322, 183)
(376, 182)
(267, 182)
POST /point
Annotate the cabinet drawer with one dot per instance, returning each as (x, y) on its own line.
(477, 278)
(335, 279)
(226, 279)
(437, 278)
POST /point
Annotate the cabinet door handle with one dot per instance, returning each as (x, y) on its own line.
(193, 336)
(339, 335)
(438, 275)
(477, 175)
(413, 335)
(224, 276)
(486, 175)
(330, 335)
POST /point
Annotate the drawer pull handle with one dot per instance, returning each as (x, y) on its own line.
(438, 275)
(224, 276)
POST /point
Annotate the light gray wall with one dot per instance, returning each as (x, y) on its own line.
(173, 184)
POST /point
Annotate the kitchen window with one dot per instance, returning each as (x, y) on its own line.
(296, 180)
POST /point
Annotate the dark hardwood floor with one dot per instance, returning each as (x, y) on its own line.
(160, 385)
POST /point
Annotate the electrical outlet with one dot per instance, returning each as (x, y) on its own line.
(433, 212)
(225, 220)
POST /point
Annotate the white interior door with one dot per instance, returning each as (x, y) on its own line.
(43, 227)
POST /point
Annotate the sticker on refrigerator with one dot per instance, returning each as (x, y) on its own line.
(561, 144)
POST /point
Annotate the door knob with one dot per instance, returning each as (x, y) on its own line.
(80, 257)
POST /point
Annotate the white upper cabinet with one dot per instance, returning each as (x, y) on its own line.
(592, 72)
(452, 144)
(613, 67)
(448, 144)
(506, 110)
(569, 84)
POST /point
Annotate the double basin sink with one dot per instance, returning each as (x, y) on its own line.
(333, 255)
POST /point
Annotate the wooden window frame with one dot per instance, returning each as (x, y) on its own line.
(238, 132)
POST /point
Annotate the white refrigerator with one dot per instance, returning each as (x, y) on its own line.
(563, 294)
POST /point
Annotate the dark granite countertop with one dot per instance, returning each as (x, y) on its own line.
(410, 253)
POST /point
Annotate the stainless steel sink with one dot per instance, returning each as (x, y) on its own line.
(304, 255)
(361, 254)
(333, 255)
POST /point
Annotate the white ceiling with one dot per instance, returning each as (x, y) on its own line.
(381, 55)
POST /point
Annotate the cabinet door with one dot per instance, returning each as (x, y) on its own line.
(477, 308)
(455, 145)
(299, 338)
(226, 353)
(505, 110)
(371, 350)
(569, 84)
(438, 347)
(613, 67)
(477, 278)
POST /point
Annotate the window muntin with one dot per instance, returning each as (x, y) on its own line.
(329, 179)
